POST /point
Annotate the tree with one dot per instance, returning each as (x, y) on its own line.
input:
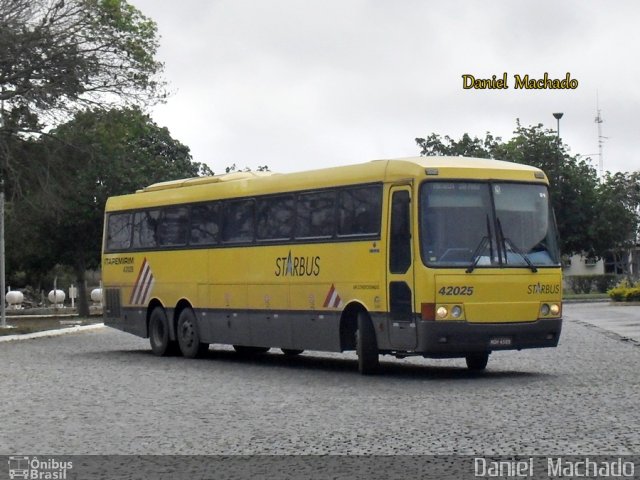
(572, 181)
(466, 146)
(58, 57)
(96, 155)
(617, 222)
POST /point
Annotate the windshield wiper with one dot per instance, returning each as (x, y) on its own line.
(483, 243)
(505, 241)
(476, 255)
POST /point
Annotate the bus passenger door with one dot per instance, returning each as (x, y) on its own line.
(401, 321)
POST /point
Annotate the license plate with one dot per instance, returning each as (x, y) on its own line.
(500, 341)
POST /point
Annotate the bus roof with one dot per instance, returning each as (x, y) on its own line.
(239, 184)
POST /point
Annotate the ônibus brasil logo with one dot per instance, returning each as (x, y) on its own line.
(33, 468)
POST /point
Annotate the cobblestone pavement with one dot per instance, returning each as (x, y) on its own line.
(620, 319)
(103, 392)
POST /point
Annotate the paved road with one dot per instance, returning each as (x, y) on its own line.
(619, 319)
(103, 392)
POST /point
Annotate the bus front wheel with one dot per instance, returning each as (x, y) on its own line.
(366, 346)
(159, 338)
(477, 361)
(188, 336)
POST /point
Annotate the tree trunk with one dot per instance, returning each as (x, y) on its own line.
(83, 301)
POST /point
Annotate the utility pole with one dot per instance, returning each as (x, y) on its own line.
(3, 288)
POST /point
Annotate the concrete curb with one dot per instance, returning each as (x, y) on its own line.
(50, 333)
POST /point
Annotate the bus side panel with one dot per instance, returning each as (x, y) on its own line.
(316, 331)
(226, 318)
(287, 296)
(267, 326)
(133, 280)
(119, 277)
(260, 328)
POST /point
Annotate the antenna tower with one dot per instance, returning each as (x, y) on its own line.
(600, 137)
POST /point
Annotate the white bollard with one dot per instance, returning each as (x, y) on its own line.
(96, 296)
(15, 299)
(56, 297)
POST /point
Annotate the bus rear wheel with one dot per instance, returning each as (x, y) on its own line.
(188, 336)
(159, 338)
(366, 346)
(477, 361)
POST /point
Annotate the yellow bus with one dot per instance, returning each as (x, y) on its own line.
(440, 257)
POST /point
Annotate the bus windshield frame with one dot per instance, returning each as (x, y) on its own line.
(487, 224)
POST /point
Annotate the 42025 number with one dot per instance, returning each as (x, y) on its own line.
(456, 291)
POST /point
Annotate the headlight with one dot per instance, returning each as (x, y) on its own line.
(550, 310)
(456, 311)
(442, 312)
(544, 310)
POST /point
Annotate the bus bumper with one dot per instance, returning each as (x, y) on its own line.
(454, 339)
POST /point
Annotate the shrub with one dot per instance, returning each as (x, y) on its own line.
(633, 294)
(625, 291)
(618, 294)
(604, 283)
(580, 283)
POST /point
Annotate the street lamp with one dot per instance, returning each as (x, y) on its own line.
(558, 116)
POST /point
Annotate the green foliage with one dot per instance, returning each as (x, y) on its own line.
(466, 146)
(616, 224)
(583, 284)
(233, 168)
(96, 155)
(593, 217)
(58, 57)
(605, 282)
(580, 283)
(625, 291)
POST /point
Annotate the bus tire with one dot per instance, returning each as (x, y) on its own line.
(188, 336)
(159, 338)
(477, 361)
(366, 346)
(291, 352)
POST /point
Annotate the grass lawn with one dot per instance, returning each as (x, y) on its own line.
(585, 296)
(19, 325)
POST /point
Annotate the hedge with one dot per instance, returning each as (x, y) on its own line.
(589, 283)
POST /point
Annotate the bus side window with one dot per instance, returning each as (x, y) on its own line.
(316, 215)
(118, 231)
(172, 231)
(237, 221)
(145, 229)
(274, 219)
(205, 224)
(359, 211)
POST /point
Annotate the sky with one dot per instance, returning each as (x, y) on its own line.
(305, 84)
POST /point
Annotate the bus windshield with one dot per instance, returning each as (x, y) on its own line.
(487, 224)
